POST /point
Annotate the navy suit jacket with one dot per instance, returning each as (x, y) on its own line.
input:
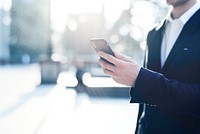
(171, 93)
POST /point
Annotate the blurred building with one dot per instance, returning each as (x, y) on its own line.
(29, 30)
(25, 30)
(4, 30)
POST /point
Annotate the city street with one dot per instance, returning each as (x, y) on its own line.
(29, 108)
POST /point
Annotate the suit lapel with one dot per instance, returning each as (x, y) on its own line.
(155, 41)
(188, 30)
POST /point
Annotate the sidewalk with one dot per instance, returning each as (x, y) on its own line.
(26, 108)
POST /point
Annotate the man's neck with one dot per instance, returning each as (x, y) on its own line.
(180, 10)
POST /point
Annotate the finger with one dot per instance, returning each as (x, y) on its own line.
(122, 57)
(108, 57)
(108, 72)
(106, 65)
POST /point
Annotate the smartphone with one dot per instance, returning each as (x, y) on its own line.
(100, 44)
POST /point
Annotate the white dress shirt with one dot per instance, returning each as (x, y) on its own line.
(173, 29)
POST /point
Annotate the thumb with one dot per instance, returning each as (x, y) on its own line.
(122, 57)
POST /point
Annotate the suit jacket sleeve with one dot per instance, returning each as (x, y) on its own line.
(154, 89)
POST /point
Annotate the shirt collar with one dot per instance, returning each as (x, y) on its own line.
(187, 15)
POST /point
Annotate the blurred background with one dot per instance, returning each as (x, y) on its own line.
(50, 81)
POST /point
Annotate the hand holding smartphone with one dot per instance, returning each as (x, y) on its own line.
(100, 44)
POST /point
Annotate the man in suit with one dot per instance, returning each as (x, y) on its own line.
(168, 88)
